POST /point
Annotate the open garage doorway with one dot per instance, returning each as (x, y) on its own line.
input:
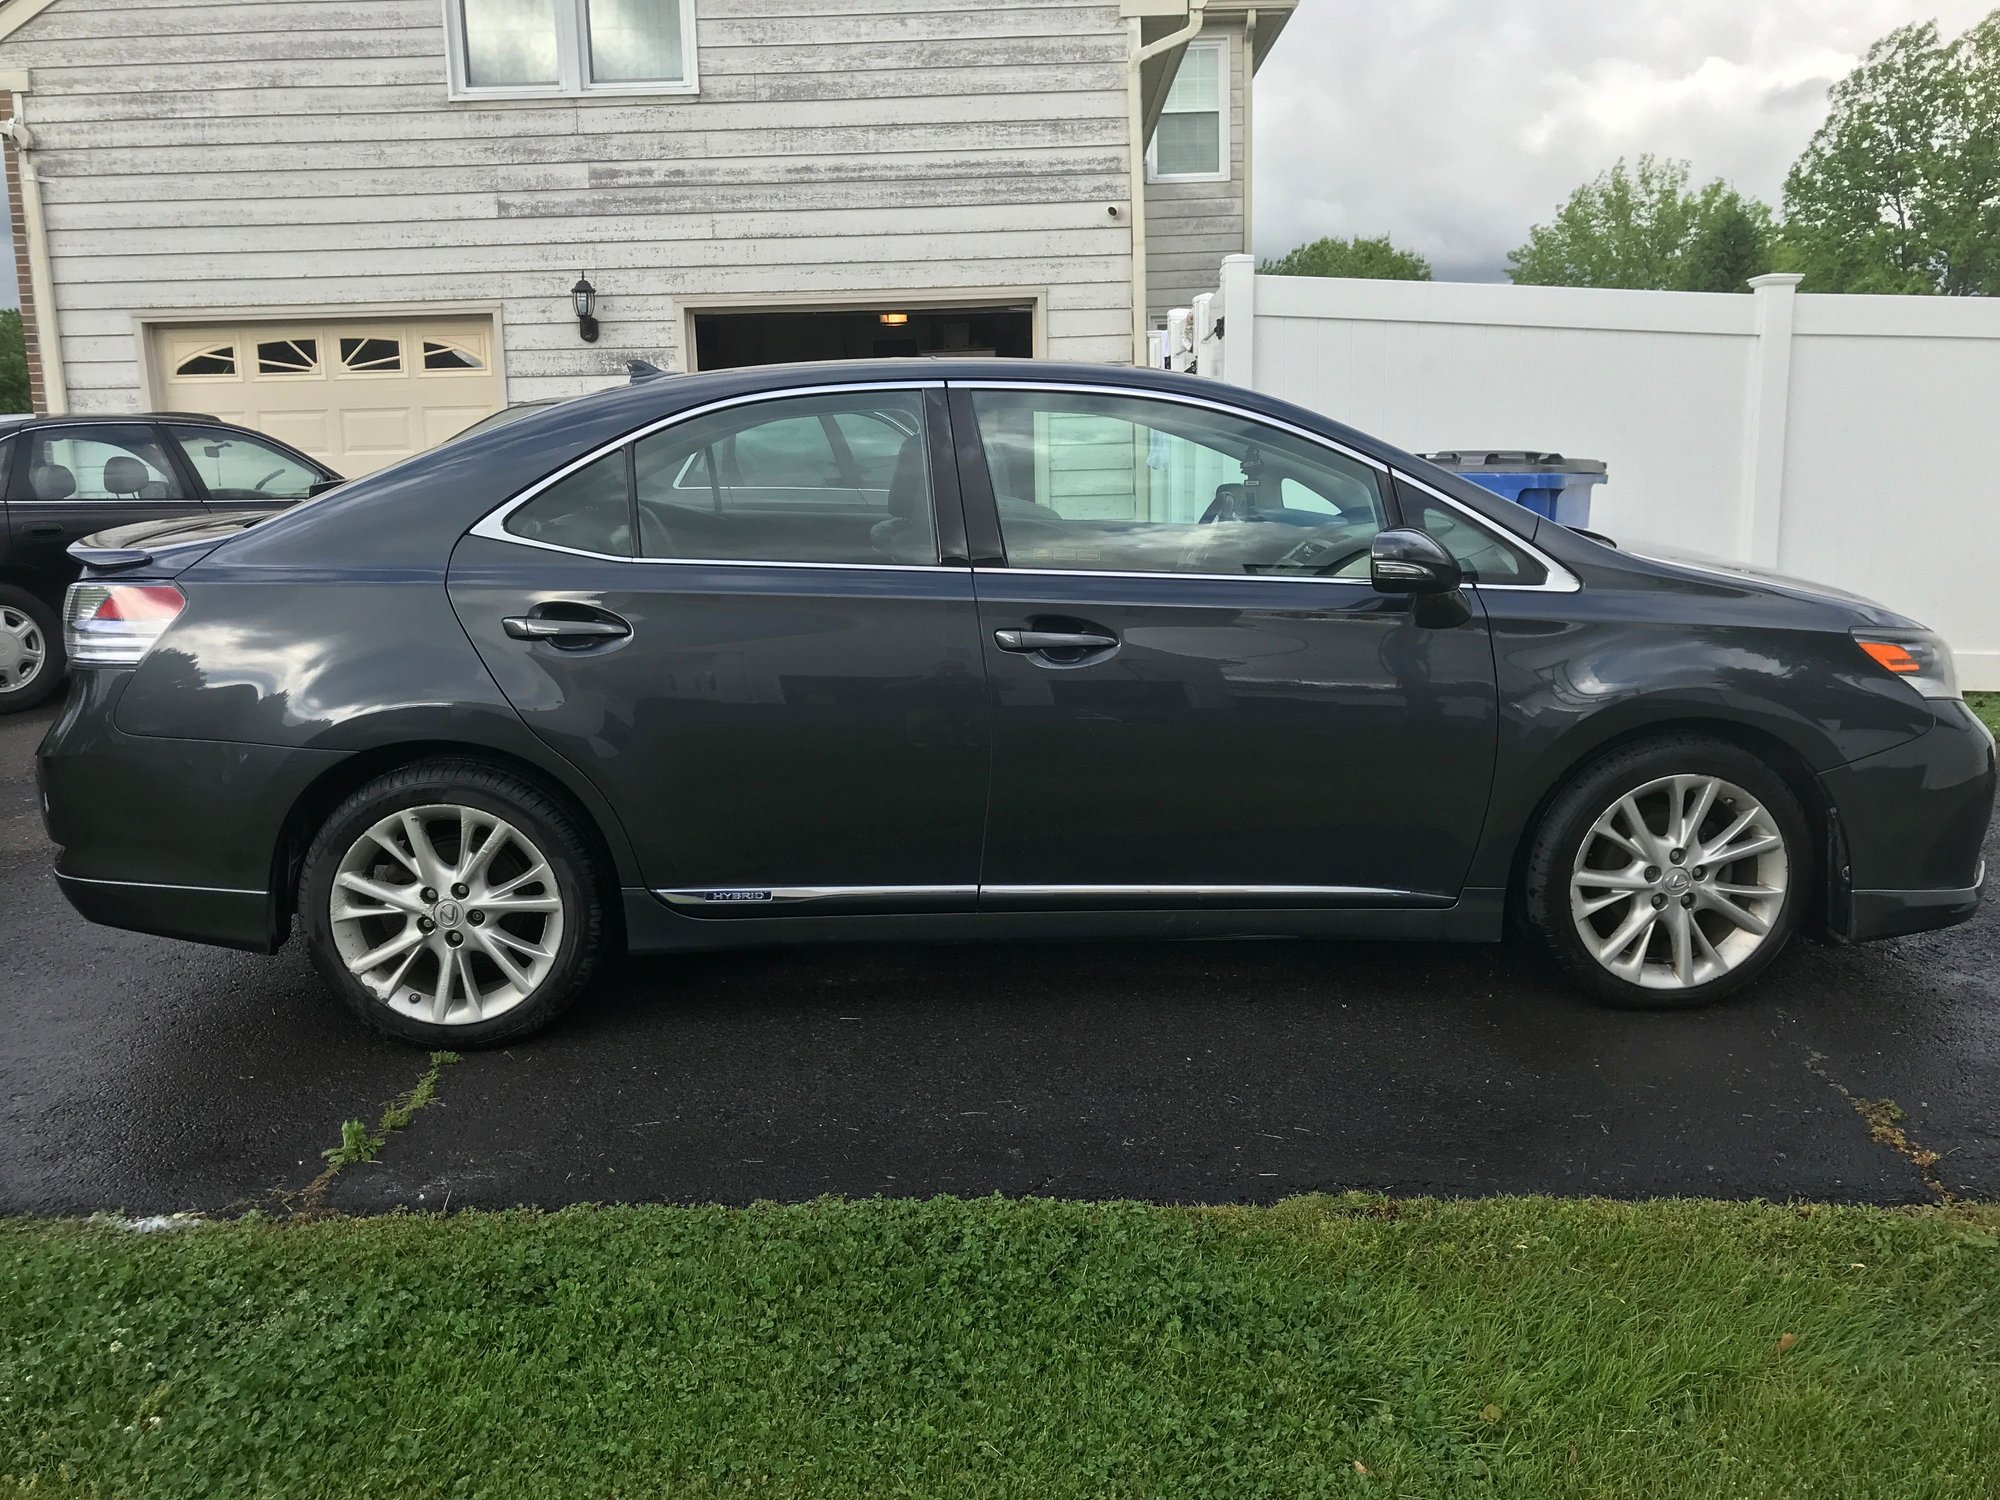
(725, 340)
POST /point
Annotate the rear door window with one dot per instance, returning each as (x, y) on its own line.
(839, 478)
(99, 463)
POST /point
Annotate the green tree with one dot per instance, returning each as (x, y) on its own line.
(1645, 227)
(13, 362)
(1372, 259)
(1899, 190)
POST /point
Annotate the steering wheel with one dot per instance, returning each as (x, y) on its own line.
(259, 485)
(1306, 557)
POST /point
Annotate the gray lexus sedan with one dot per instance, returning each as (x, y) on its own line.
(967, 651)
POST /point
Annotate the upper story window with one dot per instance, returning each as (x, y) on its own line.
(545, 48)
(1191, 142)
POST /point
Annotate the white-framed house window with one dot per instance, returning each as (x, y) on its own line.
(537, 49)
(1191, 142)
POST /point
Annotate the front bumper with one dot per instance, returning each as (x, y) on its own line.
(1910, 829)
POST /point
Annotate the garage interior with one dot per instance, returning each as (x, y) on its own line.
(728, 340)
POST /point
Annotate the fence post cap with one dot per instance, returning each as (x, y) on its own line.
(1785, 279)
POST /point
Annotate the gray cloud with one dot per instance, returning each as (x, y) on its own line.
(1454, 125)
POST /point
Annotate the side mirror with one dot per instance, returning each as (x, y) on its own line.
(1408, 561)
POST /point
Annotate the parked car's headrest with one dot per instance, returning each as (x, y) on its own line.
(124, 476)
(51, 482)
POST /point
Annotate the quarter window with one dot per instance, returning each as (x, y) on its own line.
(236, 467)
(1485, 557)
(572, 46)
(99, 463)
(587, 510)
(1098, 483)
(1191, 141)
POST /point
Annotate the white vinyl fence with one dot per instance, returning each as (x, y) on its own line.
(1849, 440)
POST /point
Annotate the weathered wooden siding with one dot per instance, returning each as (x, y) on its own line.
(243, 154)
(1190, 226)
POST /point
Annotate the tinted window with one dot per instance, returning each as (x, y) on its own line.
(589, 510)
(837, 478)
(237, 467)
(1126, 484)
(99, 463)
(1480, 551)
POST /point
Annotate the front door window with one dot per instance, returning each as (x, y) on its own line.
(1102, 483)
(236, 467)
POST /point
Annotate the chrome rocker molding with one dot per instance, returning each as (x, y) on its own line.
(750, 900)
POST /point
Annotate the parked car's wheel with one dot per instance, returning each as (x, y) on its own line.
(451, 904)
(1669, 873)
(31, 650)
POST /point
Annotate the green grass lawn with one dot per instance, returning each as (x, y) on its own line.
(1987, 706)
(1509, 1347)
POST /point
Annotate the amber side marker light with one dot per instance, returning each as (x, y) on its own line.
(1891, 657)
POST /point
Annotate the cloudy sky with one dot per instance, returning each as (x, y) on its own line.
(1454, 125)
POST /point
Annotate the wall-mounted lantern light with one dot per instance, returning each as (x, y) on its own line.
(894, 320)
(584, 295)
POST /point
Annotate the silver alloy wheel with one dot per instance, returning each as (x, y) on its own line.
(447, 914)
(22, 649)
(1679, 882)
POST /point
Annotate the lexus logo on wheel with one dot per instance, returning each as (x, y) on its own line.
(1677, 882)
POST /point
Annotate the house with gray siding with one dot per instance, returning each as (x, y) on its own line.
(362, 224)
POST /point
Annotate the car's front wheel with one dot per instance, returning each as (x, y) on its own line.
(1669, 873)
(450, 904)
(31, 650)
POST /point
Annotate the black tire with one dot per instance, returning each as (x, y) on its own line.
(553, 829)
(1546, 910)
(55, 663)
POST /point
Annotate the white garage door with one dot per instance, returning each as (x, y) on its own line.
(357, 393)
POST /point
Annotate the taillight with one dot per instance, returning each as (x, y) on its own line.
(116, 624)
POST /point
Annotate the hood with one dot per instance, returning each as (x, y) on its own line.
(1868, 611)
(165, 546)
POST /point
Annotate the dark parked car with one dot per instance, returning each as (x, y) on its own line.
(62, 478)
(973, 651)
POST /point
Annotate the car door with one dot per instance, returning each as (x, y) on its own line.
(776, 682)
(70, 480)
(239, 471)
(1198, 697)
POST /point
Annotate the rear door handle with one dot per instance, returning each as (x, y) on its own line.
(43, 530)
(540, 628)
(1052, 640)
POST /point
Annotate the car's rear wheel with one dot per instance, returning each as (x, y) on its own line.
(1669, 873)
(31, 650)
(450, 904)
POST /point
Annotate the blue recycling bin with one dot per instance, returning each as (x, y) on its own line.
(1546, 483)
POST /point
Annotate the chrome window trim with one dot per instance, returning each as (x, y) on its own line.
(1560, 579)
(493, 525)
(1001, 569)
(1194, 890)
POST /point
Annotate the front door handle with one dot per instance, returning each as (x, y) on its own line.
(43, 530)
(1052, 640)
(542, 628)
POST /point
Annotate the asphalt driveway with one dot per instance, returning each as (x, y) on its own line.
(149, 1076)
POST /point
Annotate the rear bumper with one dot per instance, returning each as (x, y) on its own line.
(175, 837)
(228, 918)
(1912, 823)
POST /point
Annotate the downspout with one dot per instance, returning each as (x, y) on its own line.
(41, 279)
(1249, 122)
(1139, 51)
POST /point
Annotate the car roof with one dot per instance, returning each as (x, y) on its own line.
(14, 421)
